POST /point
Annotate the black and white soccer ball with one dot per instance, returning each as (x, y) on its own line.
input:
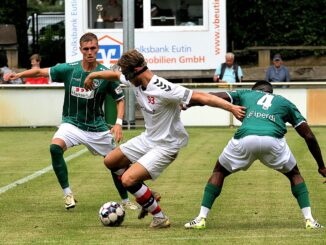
(112, 214)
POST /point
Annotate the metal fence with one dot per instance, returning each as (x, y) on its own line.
(43, 26)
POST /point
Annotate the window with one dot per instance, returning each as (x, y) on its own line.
(176, 12)
(105, 14)
(108, 13)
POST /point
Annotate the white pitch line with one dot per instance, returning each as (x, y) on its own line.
(39, 173)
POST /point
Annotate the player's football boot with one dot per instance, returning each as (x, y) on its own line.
(143, 212)
(160, 222)
(310, 225)
(129, 205)
(70, 201)
(197, 223)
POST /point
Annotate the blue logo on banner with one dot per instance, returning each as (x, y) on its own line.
(109, 52)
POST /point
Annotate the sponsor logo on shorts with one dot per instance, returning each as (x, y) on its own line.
(82, 93)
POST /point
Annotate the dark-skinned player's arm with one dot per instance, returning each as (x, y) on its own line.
(305, 132)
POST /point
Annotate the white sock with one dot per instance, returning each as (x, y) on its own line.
(307, 213)
(159, 215)
(125, 200)
(67, 191)
(203, 212)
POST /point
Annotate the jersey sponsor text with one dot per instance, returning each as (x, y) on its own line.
(82, 93)
(261, 115)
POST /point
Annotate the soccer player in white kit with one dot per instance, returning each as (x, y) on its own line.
(147, 155)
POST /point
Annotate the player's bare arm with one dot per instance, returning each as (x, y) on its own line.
(41, 72)
(117, 128)
(305, 132)
(222, 95)
(107, 75)
(214, 101)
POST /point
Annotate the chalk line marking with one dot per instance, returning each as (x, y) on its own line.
(39, 173)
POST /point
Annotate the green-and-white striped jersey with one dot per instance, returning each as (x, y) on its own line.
(84, 108)
(266, 113)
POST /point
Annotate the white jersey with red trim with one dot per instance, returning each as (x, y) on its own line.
(160, 105)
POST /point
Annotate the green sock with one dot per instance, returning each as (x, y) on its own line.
(118, 184)
(59, 165)
(300, 192)
(211, 192)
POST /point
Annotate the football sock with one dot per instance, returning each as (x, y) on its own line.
(203, 212)
(307, 213)
(67, 191)
(59, 165)
(118, 184)
(301, 193)
(145, 198)
(211, 192)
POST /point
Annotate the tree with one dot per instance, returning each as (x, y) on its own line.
(276, 22)
(11, 14)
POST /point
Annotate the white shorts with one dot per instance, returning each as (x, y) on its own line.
(155, 158)
(275, 153)
(98, 143)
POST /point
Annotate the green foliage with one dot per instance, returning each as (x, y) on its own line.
(52, 44)
(14, 12)
(39, 6)
(276, 22)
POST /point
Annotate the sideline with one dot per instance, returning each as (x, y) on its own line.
(39, 173)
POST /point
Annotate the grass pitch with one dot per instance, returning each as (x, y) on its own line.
(255, 207)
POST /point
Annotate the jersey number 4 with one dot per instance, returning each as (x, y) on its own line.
(265, 101)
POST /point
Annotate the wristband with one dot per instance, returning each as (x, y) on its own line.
(119, 121)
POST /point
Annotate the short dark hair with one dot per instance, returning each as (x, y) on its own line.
(87, 37)
(263, 86)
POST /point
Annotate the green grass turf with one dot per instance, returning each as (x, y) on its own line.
(255, 207)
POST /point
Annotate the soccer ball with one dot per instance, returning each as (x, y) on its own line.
(111, 214)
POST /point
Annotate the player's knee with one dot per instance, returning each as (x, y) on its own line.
(127, 180)
(107, 163)
(56, 150)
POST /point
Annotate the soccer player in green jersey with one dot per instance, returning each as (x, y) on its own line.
(83, 118)
(261, 136)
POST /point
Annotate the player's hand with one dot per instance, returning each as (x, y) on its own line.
(117, 133)
(10, 76)
(239, 112)
(88, 83)
(322, 171)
